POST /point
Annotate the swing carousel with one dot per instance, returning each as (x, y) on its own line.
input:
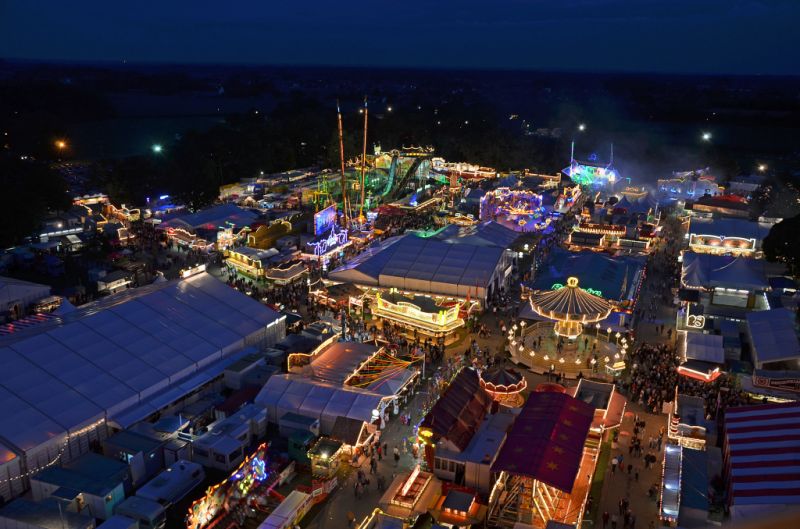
(560, 345)
(571, 307)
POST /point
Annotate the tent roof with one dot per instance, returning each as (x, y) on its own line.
(340, 360)
(453, 261)
(773, 335)
(459, 412)
(728, 227)
(16, 289)
(763, 451)
(705, 347)
(109, 356)
(546, 440)
(313, 398)
(615, 277)
(213, 217)
(709, 271)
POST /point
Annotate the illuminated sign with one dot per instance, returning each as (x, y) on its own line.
(721, 243)
(407, 312)
(334, 240)
(559, 286)
(696, 322)
(324, 220)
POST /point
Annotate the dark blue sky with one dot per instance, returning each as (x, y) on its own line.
(703, 36)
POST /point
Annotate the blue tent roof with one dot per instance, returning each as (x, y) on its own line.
(615, 277)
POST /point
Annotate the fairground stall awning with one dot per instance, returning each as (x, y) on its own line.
(546, 440)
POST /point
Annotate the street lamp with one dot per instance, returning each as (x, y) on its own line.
(762, 167)
(582, 127)
(706, 136)
(61, 145)
(617, 337)
(157, 148)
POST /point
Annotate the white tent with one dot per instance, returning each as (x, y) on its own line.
(19, 292)
(283, 394)
(61, 380)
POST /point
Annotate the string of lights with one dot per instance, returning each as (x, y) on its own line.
(62, 448)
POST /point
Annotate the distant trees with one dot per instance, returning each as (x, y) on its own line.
(782, 244)
(29, 190)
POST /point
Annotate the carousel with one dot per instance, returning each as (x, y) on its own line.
(505, 386)
(560, 344)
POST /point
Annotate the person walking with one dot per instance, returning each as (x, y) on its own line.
(605, 519)
(396, 456)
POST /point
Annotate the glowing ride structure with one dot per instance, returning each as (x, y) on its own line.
(571, 307)
(519, 209)
(592, 173)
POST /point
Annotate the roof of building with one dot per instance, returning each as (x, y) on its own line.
(445, 264)
(459, 412)
(213, 218)
(458, 500)
(694, 479)
(710, 271)
(615, 277)
(91, 473)
(546, 440)
(340, 360)
(133, 441)
(107, 357)
(45, 514)
(763, 449)
(773, 335)
(728, 227)
(705, 347)
(347, 430)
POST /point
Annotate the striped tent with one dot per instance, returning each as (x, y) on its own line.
(762, 457)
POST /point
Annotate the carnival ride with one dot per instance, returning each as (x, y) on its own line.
(244, 486)
(504, 385)
(560, 344)
(570, 307)
(518, 209)
(592, 173)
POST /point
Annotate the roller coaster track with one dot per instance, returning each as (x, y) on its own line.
(394, 192)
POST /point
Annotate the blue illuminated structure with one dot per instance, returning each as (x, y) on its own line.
(592, 173)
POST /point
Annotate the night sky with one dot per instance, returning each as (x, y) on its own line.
(696, 36)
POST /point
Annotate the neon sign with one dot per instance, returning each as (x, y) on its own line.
(334, 240)
(598, 293)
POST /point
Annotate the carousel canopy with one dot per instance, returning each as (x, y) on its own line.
(570, 303)
(500, 380)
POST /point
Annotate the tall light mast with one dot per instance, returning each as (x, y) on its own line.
(363, 162)
(341, 157)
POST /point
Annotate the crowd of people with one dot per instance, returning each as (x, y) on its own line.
(653, 379)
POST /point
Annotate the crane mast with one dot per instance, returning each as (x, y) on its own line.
(363, 163)
(344, 176)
